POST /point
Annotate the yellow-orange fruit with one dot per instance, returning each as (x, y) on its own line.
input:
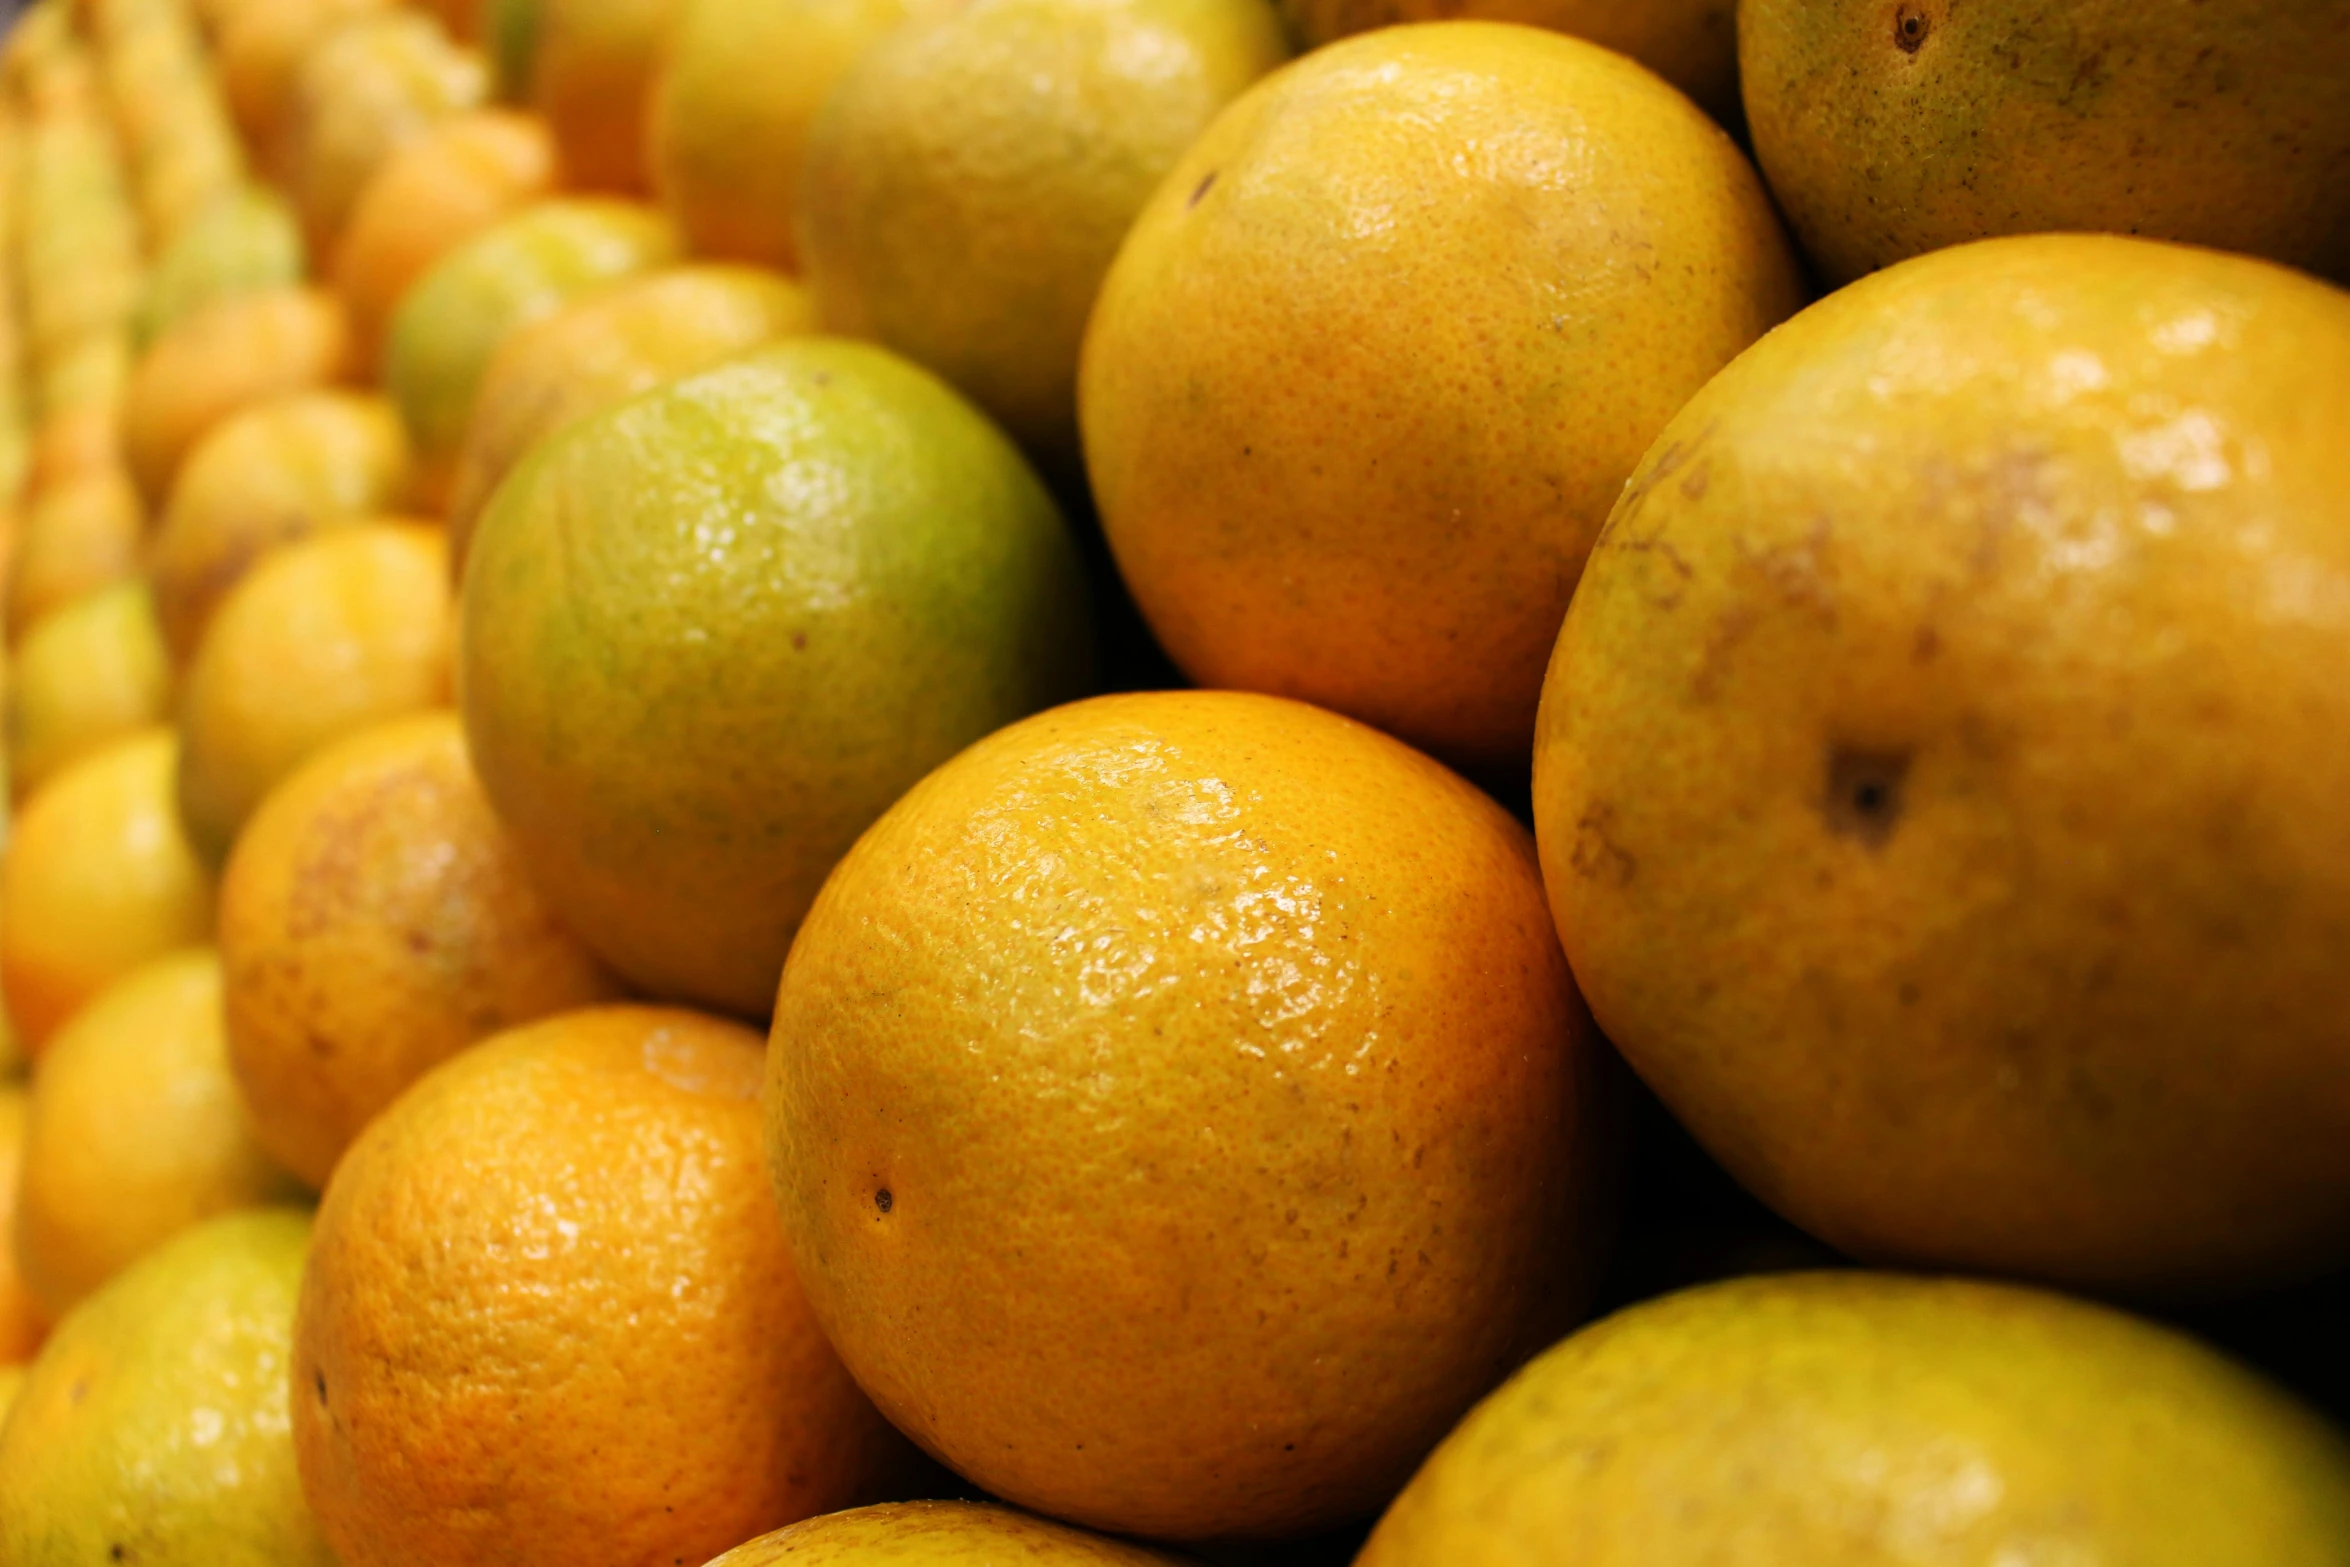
(610, 1345)
(261, 51)
(75, 538)
(374, 921)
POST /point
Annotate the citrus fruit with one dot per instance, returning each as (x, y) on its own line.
(1935, 774)
(153, 1428)
(261, 51)
(1181, 1112)
(244, 241)
(21, 1319)
(1890, 130)
(374, 921)
(603, 350)
(730, 113)
(374, 84)
(943, 213)
(83, 677)
(937, 1534)
(325, 636)
(609, 1359)
(242, 350)
(98, 879)
(710, 634)
(592, 68)
(521, 269)
(279, 471)
(431, 195)
(79, 440)
(1691, 43)
(1319, 484)
(136, 1131)
(76, 537)
(1855, 1417)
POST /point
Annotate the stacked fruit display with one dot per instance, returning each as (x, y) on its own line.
(1133, 781)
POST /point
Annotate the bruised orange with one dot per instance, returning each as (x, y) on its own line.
(324, 637)
(98, 879)
(608, 1358)
(226, 357)
(603, 350)
(433, 194)
(1181, 1112)
(374, 921)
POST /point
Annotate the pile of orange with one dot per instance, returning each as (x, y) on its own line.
(1153, 781)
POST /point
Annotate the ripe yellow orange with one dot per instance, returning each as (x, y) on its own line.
(602, 350)
(1181, 1112)
(374, 921)
(1379, 355)
(1937, 774)
(83, 677)
(136, 1131)
(686, 707)
(325, 636)
(731, 112)
(244, 240)
(591, 73)
(937, 1534)
(98, 879)
(374, 84)
(942, 214)
(75, 538)
(276, 472)
(22, 1322)
(1851, 1417)
(153, 1427)
(609, 1360)
(261, 51)
(429, 197)
(226, 357)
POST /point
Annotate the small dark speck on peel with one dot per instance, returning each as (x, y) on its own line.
(1910, 26)
(1864, 793)
(883, 1200)
(1207, 182)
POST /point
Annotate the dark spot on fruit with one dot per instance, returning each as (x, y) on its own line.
(118, 1552)
(822, 378)
(799, 642)
(1908, 994)
(1910, 26)
(1206, 184)
(1864, 793)
(883, 1200)
(319, 1379)
(79, 1391)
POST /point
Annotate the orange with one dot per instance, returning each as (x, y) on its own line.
(430, 196)
(83, 677)
(275, 472)
(710, 634)
(153, 1429)
(21, 1319)
(604, 350)
(135, 1131)
(226, 357)
(1938, 770)
(75, 442)
(374, 921)
(373, 85)
(1379, 355)
(522, 268)
(325, 636)
(591, 72)
(76, 537)
(1852, 1419)
(261, 50)
(1182, 1112)
(98, 879)
(731, 112)
(936, 1534)
(608, 1358)
(244, 240)
(1891, 130)
(1691, 43)
(942, 213)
